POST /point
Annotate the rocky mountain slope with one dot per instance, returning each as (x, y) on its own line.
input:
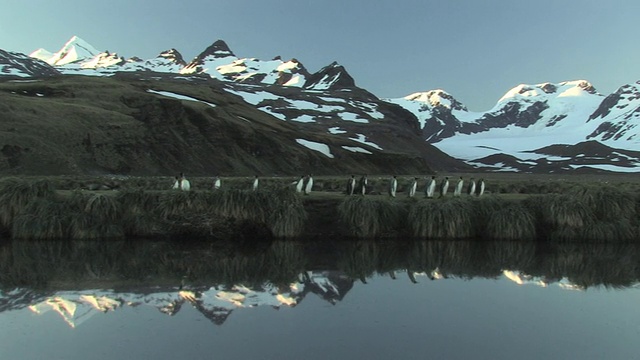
(20, 65)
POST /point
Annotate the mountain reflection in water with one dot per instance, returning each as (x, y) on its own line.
(79, 279)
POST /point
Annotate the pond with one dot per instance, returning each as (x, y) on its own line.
(319, 300)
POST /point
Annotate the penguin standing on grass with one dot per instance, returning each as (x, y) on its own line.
(216, 183)
(471, 190)
(431, 187)
(444, 186)
(309, 185)
(254, 186)
(458, 189)
(413, 187)
(351, 185)
(480, 187)
(393, 186)
(182, 183)
(363, 184)
(300, 184)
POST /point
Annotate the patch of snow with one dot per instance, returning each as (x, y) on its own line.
(179, 97)
(320, 147)
(336, 130)
(254, 98)
(349, 116)
(23, 81)
(363, 140)
(356, 149)
(304, 119)
(609, 167)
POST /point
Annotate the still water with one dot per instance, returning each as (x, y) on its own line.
(344, 300)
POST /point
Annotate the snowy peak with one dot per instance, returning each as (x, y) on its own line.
(217, 61)
(436, 98)
(102, 60)
(21, 65)
(74, 50)
(330, 77)
(174, 56)
(544, 91)
(219, 49)
(207, 61)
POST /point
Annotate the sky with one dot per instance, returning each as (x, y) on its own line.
(475, 50)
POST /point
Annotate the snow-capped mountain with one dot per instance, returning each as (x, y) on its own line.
(21, 65)
(75, 50)
(532, 117)
(511, 136)
(218, 61)
(618, 117)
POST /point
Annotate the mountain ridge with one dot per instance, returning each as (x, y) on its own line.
(527, 117)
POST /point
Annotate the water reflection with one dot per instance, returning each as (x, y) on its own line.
(78, 280)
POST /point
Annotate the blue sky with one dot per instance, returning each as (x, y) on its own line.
(474, 49)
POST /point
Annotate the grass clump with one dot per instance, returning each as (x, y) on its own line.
(139, 216)
(43, 219)
(511, 222)
(367, 216)
(448, 218)
(559, 217)
(609, 231)
(98, 217)
(17, 194)
(288, 216)
(608, 203)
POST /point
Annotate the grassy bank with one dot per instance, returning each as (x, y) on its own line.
(36, 209)
(585, 213)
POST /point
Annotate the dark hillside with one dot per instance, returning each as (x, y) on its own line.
(97, 125)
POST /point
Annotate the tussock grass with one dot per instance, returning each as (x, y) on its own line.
(180, 203)
(241, 204)
(137, 202)
(511, 222)
(367, 216)
(106, 208)
(559, 217)
(610, 231)
(608, 203)
(288, 216)
(218, 212)
(139, 210)
(43, 219)
(564, 234)
(482, 210)
(447, 218)
(16, 194)
(100, 218)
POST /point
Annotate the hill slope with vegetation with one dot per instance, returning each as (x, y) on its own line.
(159, 124)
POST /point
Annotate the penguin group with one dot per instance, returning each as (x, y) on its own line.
(442, 187)
(182, 183)
(360, 186)
(304, 184)
(473, 188)
(432, 188)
